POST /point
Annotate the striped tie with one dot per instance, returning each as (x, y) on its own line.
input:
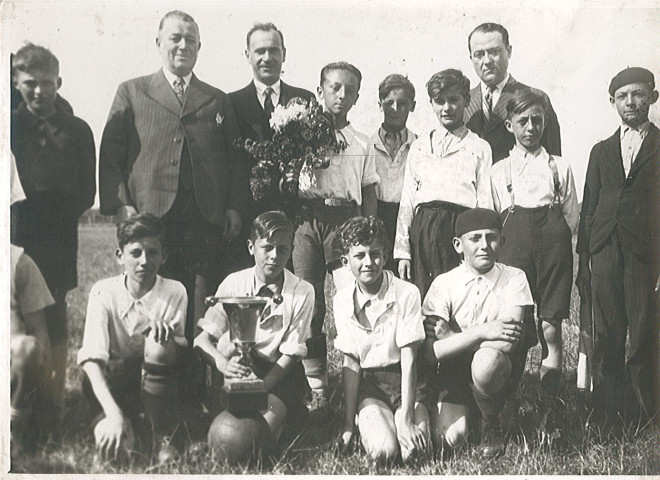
(488, 102)
(179, 84)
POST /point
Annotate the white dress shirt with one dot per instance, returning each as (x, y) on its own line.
(390, 170)
(261, 91)
(631, 141)
(533, 184)
(171, 78)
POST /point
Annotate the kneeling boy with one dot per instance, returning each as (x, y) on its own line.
(379, 329)
(133, 326)
(282, 332)
(474, 334)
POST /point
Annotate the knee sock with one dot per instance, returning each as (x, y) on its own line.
(318, 383)
(550, 381)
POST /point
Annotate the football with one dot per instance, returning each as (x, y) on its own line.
(238, 437)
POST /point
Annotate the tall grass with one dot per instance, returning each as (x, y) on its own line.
(581, 449)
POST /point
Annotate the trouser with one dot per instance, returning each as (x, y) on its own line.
(388, 213)
(314, 254)
(624, 305)
(431, 242)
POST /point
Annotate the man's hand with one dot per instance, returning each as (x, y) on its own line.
(124, 213)
(232, 224)
(232, 368)
(411, 437)
(583, 278)
(404, 269)
(111, 434)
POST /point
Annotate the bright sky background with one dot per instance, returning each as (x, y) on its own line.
(570, 50)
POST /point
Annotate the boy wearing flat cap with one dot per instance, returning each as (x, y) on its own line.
(618, 244)
(475, 336)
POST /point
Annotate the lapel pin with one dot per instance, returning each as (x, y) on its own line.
(219, 119)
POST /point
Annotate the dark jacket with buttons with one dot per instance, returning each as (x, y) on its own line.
(628, 205)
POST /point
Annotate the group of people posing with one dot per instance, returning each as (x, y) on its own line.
(451, 252)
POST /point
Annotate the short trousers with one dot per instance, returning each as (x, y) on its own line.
(383, 384)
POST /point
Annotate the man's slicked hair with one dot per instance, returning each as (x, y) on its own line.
(488, 28)
(181, 16)
(347, 67)
(264, 27)
(32, 57)
(394, 81)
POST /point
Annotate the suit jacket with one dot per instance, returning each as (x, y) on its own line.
(143, 142)
(613, 201)
(252, 119)
(494, 131)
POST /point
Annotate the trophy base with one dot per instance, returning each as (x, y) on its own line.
(245, 394)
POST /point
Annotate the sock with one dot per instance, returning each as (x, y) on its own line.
(550, 381)
(318, 383)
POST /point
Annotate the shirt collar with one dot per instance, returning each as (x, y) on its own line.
(171, 77)
(261, 87)
(276, 288)
(384, 293)
(522, 153)
(129, 300)
(641, 129)
(490, 277)
(458, 132)
(36, 120)
(346, 134)
(498, 87)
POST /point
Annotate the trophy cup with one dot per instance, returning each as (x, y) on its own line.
(243, 316)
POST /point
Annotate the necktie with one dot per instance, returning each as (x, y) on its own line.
(488, 100)
(265, 292)
(179, 84)
(268, 102)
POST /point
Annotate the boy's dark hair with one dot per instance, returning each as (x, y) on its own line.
(361, 231)
(265, 27)
(341, 66)
(140, 226)
(447, 79)
(266, 224)
(522, 100)
(489, 27)
(32, 57)
(181, 16)
(394, 81)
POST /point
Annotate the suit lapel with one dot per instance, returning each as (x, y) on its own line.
(648, 149)
(195, 97)
(248, 106)
(161, 91)
(499, 110)
(613, 156)
(285, 94)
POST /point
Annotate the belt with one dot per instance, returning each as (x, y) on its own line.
(329, 202)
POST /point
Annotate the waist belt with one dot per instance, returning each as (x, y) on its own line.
(328, 202)
(440, 205)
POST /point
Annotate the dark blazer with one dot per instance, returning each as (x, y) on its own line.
(494, 131)
(143, 140)
(613, 202)
(252, 120)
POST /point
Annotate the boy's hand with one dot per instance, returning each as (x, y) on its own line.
(404, 269)
(110, 433)
(411, 437)
(345, 440)
(162, 321)
(502, 334)
(233, 368)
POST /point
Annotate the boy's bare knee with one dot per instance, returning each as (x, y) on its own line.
(457, 433)
(382, 450)
(491, 369)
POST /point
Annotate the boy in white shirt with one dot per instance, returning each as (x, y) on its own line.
(379, 329)
(345, 189)
(281, 335)
(535, 194)
(475, 336)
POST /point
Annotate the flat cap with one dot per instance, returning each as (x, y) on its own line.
(477, 219)
(631, 75)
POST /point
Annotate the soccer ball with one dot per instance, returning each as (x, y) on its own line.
(236, 437)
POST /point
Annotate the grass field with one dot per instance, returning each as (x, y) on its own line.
(581, 448)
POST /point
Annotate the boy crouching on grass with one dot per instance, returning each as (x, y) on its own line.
(282, 332)
(475, 335)
(134, 323)
(379, 328)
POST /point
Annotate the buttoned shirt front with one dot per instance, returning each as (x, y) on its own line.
(261, 91)
(349, 171)
(284, 330)
(466, 299)
(532, 183)
(461, 176)
(631, 141)
(497, 92)
(115, 320)
(390, 170)
(171, 78)
(374, 329)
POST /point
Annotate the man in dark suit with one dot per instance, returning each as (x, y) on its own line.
(166, 150)
(619, 247)
(485, 115)
(254, 105)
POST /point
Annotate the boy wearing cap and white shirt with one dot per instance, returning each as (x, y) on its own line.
(619, 250)
(474, 334)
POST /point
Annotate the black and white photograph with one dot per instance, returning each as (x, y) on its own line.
(295, 237)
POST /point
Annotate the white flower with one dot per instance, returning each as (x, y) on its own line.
(282, 116)
(219, 119)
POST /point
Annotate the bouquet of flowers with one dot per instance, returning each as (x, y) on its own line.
(304, 135)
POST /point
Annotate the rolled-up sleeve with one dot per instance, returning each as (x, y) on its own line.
(293, 342)
(214, 321)
(517, 292)
(345, 341)
(96, 338)
(410, 326)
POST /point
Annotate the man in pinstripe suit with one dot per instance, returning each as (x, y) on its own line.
(485, 115)
(166, 150)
